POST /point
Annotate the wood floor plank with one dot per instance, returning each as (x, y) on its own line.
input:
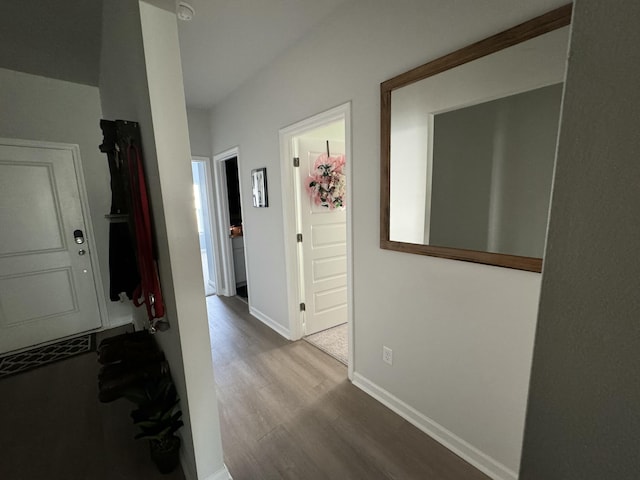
(288, 411)
(54, 428)
(286, 460)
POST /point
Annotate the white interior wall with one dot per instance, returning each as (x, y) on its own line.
(199, 123)
(462, 333)
(182, 258)
(199, 132)
(408, 183)
(141, 80)
(40, 108)
(582, 418)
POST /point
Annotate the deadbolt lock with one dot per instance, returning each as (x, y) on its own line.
(78, 236)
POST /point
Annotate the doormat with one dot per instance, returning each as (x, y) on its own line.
(39, 356)
(332, 341)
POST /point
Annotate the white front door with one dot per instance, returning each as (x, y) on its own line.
(324, 247)
(47, 287)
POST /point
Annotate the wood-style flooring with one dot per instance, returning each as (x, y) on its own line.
(52, 427)
(288, 411)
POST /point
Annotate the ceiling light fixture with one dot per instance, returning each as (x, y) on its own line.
(184, 11)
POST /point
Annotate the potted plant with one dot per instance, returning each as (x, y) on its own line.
(158, 419)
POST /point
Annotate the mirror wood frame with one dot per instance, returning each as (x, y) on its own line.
(535, 27)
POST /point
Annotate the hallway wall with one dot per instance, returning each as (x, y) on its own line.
(199, 132)
(462, 333)
(141, 80)
(582, 419)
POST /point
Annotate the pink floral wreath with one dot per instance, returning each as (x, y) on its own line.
(327, 182)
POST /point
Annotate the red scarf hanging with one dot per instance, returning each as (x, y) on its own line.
(148, 292)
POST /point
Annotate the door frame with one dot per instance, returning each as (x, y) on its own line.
(225, 269)
(210, 220)
(292, 258)
(88, 222)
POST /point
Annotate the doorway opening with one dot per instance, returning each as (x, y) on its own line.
(235, 226)
(316, 179)
(230, 225)
(202, 193)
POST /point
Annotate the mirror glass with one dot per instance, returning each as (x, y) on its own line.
(471, 153)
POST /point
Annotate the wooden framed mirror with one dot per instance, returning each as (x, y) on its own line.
(468, 147)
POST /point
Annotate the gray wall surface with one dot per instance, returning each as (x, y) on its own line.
(525, 175)
(582, 419)
(492, 173)
(463, 155)
(199, 132)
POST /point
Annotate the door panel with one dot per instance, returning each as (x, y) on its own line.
(328, 268)
(31, 208)
(324, 247)
(17, 294)
(330, 300)
(329, 234)
(47, 288)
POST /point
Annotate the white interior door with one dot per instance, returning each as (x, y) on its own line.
(202, 200)
(47, 286)
(226, 276)
(324, 247)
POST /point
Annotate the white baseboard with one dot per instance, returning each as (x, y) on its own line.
(190, 474)
(222, 474)
(119, 323)
(269, 322)
(468, 452)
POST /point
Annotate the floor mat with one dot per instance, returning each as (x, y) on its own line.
(332, 341)
(38, 356)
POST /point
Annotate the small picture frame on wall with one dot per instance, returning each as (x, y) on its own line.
(259, 187)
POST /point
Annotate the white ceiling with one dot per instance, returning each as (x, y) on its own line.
(225, 44)
(52, 38)
(228, 41)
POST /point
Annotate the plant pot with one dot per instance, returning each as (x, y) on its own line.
(165, 453)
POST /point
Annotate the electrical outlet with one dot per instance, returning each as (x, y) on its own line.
(387, 355)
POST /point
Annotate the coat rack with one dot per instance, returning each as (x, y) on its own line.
(132, 256)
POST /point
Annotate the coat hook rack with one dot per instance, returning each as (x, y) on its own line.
(117, 217)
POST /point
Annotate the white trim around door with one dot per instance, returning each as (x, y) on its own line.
(211, 226)
(294, 294)
(226, 271)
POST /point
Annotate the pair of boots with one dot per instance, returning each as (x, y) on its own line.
(128, 360)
